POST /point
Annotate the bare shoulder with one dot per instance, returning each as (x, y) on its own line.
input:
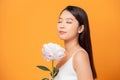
(81, 65)
(82, 55)
(81, 59)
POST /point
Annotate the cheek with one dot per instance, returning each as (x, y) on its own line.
(58, 28)
(73, 29)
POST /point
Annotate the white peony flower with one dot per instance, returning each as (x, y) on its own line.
(52, 51)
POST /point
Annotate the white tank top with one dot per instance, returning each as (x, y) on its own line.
(67, 72)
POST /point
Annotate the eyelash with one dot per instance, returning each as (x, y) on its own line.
(59, 22)
(66, 22)
(69, 22)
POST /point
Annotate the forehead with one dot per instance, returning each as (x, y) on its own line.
(66, 15)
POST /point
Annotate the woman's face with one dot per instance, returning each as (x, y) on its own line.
(67, 26)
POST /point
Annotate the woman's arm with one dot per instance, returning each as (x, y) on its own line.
(82, 66)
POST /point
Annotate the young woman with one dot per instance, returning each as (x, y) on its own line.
(73, 28)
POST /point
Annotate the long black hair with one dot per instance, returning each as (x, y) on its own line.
(84, 37)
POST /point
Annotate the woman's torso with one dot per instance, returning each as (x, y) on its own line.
(66, 71)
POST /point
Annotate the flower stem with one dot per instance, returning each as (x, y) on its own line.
(52, 68)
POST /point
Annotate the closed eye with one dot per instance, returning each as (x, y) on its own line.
(69, 22)
(59, 21)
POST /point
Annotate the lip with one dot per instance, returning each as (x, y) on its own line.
(62, 32)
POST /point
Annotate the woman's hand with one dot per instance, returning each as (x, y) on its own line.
(50, 78)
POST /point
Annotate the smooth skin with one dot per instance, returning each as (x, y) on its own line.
(69, 30)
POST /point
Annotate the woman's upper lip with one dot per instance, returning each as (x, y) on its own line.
(62, 32)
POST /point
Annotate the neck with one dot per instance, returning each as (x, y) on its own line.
(71, 45)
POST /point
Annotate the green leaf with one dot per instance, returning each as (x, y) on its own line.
(43, 68)
(45, 79)
(55, 72)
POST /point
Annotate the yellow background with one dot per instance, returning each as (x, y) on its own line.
(25, 25)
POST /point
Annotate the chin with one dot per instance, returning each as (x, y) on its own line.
(63, 38)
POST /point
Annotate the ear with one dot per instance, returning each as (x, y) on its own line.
(81, 29)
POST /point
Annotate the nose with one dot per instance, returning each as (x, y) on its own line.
(62, 25)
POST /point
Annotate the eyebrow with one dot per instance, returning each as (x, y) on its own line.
(67, 18)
